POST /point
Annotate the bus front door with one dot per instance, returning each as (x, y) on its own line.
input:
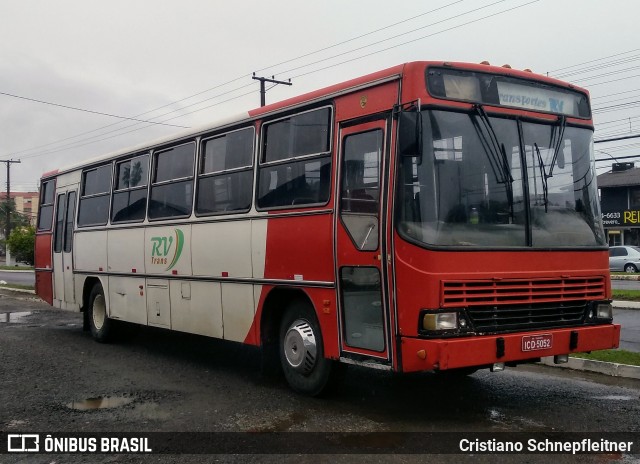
(360, 241)
(63, 279)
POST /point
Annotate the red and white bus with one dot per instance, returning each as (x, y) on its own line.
(433, 216)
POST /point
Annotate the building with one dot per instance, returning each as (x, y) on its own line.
(620, 204)
(26, 204)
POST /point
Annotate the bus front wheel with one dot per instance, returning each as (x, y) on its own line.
(302, 352)
(101, 326)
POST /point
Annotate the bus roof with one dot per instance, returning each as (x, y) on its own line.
(316, 95)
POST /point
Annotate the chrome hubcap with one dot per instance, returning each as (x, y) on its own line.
(99, 312)
(300, 346)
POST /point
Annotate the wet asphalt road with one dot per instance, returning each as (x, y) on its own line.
(20, 277)
(175, 382)
(625, 284)
(630, 332)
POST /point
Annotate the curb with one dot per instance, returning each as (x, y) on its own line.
(17, 290)
(600, 367)
(626, 277)
(625, 304)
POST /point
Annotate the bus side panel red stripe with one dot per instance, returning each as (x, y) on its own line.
(43, 251)
(300, 248)
(44, 274)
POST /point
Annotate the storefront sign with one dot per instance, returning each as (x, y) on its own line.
(621, 218)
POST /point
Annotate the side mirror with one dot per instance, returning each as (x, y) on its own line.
(410, 133)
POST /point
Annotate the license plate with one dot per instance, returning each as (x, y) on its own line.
(537, 342)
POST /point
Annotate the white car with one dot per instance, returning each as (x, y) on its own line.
(624, 258)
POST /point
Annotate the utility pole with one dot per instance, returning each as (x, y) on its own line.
(266, 79)
(8, 202)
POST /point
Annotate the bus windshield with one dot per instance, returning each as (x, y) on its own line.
(499, 182)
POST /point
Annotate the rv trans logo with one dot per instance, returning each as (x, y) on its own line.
(166, 250)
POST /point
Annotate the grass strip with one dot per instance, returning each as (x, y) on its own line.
(17, 286)
(630, 295)
(612, 356)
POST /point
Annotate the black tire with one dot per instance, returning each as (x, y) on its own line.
(630, 268)
(102, 328)
(302, 352)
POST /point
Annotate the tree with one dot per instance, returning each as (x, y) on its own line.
(21, 243)
(17, 219)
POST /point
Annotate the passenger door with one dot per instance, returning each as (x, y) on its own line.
(64, 288)
(361, 242)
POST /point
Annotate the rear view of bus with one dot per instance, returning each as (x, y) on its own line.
(500, 255)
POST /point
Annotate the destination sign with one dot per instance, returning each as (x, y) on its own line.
(500, 90)
(533, 98)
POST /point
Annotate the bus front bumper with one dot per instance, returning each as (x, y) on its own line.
(419, 354)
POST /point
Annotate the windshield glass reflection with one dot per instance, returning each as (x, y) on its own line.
(473, 186)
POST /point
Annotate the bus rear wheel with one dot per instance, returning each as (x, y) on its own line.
(101, 326)
(302, 352)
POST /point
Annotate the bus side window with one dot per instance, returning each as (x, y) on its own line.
(58, 230)
(68, 223)
(95, 192)
(172, 182)
(225, 179)
(45, 218)
(129, 202)
(296, 161)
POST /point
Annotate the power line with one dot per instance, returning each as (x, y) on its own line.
(612, 73)
(414, 40)
(85, 110)
(606, 64)
(614, 94)
(617, 120)
(614, 80)
(593, 61)
(233, 80)
(394, 37)
(619, 99)
(615, 158)
(359, 36)
(236, 79)
(604, 109)
(57, 150)
(634, 136)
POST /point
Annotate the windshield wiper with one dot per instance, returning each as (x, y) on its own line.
(543, 178)
(562, 124)
(498, 154)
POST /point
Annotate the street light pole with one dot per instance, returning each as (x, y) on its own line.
(8, 203)
(262, 89)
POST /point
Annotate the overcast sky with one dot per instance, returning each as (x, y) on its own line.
(189, 62)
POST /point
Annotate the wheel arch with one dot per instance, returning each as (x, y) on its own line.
(273, 309)
(87, 286)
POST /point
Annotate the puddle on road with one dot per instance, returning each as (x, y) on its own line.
(615, 397)
(14, 317)
(101, 402)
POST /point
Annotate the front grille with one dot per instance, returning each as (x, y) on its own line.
(467, 293)
(503, 305)
(491, 319)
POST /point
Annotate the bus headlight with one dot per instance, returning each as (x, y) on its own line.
(600, 311)
(604, 311)
(440, 321)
